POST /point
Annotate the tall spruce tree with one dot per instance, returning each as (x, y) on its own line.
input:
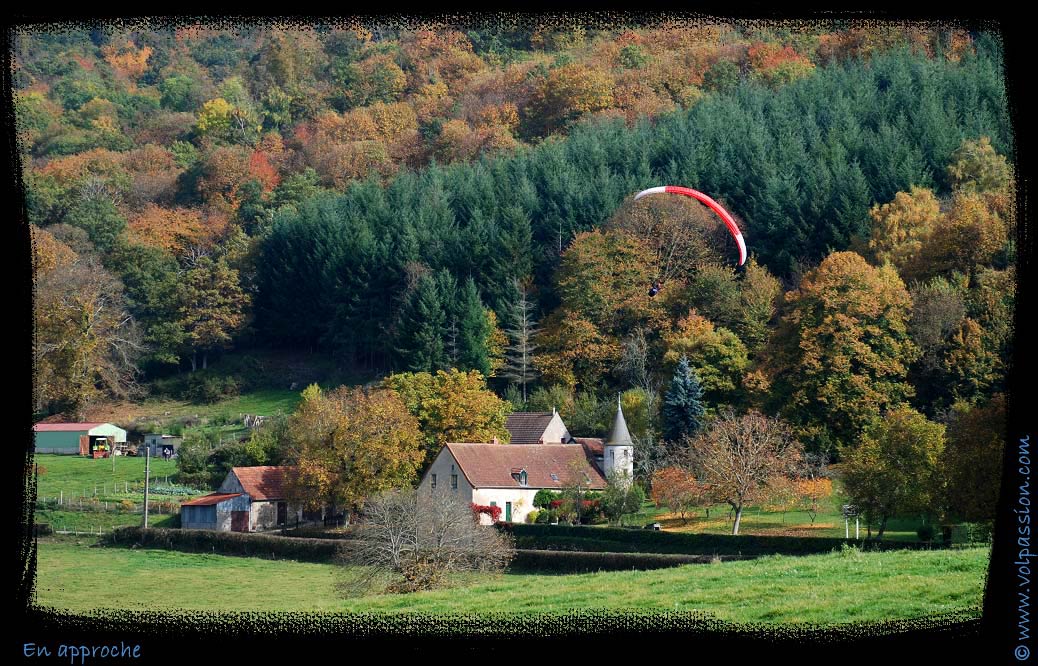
(682, 406)
(473, 330)
(421, 329)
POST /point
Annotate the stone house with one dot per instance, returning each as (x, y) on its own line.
(250, 499)
(509, 475)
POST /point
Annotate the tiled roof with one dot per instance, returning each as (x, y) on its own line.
(527, 427)
(491, 465)
(210, 499)
(65, 427)
(592, 445)
(263, 482)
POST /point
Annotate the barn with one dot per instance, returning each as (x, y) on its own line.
(84, 439)
(250, 499)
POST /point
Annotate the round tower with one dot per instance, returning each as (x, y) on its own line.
(618, 450)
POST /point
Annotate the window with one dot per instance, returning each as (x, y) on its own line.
(454, 481)
(432, 481)
(522, 478)
(554, 476)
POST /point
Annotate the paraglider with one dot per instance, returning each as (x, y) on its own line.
(713, 205)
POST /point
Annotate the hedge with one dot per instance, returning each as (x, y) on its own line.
(228, 543)
(562, 561)
(609, 539)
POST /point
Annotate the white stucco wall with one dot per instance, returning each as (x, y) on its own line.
(620, 458)
(556, 432)
(443, 467)
(521, 499)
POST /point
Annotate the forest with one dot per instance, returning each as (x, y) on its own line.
(438, 208)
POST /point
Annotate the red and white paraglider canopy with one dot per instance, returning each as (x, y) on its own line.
(714, 206)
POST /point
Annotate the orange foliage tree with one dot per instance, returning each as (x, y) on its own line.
(677, 489)
(349, 444)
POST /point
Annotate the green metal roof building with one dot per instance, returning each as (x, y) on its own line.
(75, 438)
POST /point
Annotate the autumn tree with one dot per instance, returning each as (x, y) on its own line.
(680, 232)
(213, 307)
(349, 444)
(900, 228)
(760, 293)
(969, 236)
(972, 458)
(603, 277)
(451, 406)
(843, 349)
(677, 489)
(895, 468)
(85, 344)
(976, 167)
(717, 355)
(812, 491)
(563, 95)
(738, 456)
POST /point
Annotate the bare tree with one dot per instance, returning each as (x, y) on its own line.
(410, 541)
(636, 367)
(521, 330)
(739, 455)
(682, 233)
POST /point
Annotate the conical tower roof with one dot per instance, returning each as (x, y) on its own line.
(620, 436)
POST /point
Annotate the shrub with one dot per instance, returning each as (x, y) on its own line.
(227, 543)
(561, 561)
(544, 498)
(493, 511)
(925, 532)
(533, 516)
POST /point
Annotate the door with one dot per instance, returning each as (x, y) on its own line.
(84, 445)
(239, 521)
(508, 512)
(282, 513)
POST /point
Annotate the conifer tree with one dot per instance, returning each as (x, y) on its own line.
(682, 406)
(521, 330)
(421, 329)
(473, 330)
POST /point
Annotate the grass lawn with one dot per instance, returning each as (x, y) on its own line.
(77, 476)
(764, 521)
(831, 588)
(90, 521)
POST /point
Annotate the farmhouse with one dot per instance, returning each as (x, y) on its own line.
(509, 475)
(85, 439)
(537, 428)
(250, 499)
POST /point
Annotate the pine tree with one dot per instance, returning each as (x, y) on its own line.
(521, 330)
(682, 406)
(473, 331)
(421, 329)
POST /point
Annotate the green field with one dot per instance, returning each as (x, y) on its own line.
(72, 478)
(839, 587)
(78, 476)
